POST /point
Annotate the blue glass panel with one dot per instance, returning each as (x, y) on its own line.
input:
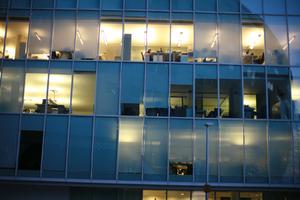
(93, 4)
(55, 141)
(156, 149)
(80, 144)
(20, 3)
(130, 149)
(251, 6)
(157, 89)
(105, 148)
(32, 123)
(293, 7)
(296, 131)
(3, 3)
(66, 3)
(182, 5)
(200, 150)
(159, 5)
(229, 5)
(280, 148)
(135, 4)
(108, 89)
(231, 166)
(274, 6)
(9, 132)
(294, 42)
(42, 4)
(206, 5)
(255, 134)
(112, 4)
(181, 150)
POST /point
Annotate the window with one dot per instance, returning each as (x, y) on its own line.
(230, 92)
(182, 37)
(229, 49)
(181, 96)
(83, 98)
(161, 5)
(293, 6)
(80, 143)
(107, 102)
(180, 5)
(181, 150)
(20, 3)
(206, 86)
(63, 35)
(274, 6)
(132, 89)
(206, 5)
(206, 38)
(279, 96)
(229, 5)
(294, 44)
(40, 35)
(251, 6)
(88, 4)
(42, 4)
(154, 194)
(112, 4)
(2, 33)
(66, 3)
(157, 90)
(17, 35)
(30, 150)
(231, 150)
(296, 136)
(276, 40)
(155, 151)
(11, 87)
(295, 87)
(135, 4)
(253, 40)
(110, 36)
(130, 149)
(135, 36)
(254, 93)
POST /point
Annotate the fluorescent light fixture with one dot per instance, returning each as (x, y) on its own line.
(214, 40)
(145, 38)
(292, 39)
(79, 37)
(180, 38)
(37, 36)
(104, 38)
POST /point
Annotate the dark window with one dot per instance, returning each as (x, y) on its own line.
(30, 150)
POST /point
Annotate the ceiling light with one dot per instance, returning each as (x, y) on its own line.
(37, 36)
(214, 40)
(79, 37)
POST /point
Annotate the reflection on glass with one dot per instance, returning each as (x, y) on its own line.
(294, 42)
(231, 167)
(255, 134)
(132, 90)
(130, 149)
(230, 92)
(83, 98)
(206, 38)
(251, 6)
(86, 35)
(276, 40)
(158, 39)
(181, 91)
(110, 37)
(254, 92)
(206, 102)
(135, 37)
(253, 40)
(279, 97)
(296, 131)
(181, 150)
(295, 90)
(280, 160)
(182, 41)
(40, 35)
(157, 90)
(16, 37)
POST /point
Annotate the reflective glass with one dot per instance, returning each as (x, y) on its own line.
(296, 132)
(229, 5)
(66, 3)
(20, 3)
(111, 4)
(206, 5)
(92, 4)
(182, 5)
(251, 6)
(2, 32)
(161, 5)
(135, 4)
(294, 43)
(293, 6)
(274, 6)
(42, 4)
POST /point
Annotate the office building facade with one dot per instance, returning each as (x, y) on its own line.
(150, 99)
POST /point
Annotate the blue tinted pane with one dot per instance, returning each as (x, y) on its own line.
(130, 149)
(251, 6)
(294, 33)
(108, 89)
(55, 146)
(229, 5)
(181, 150)
(159, 5)
(256, 151)
(295, 88)
(42, 4)
(66, 3)
(206, 5)
(3, 3)
(231, 168)
(182, 5)
(135, 4)
(280, 158)
(156, 149)
(293, 6)
(200, 150)
(105, 148)
(157, 89)
(88, 4)
(296, 130)
(80, 143)
(274, 6)
(9, 132)
(112, 4)
(20, 3)
(32, 123)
